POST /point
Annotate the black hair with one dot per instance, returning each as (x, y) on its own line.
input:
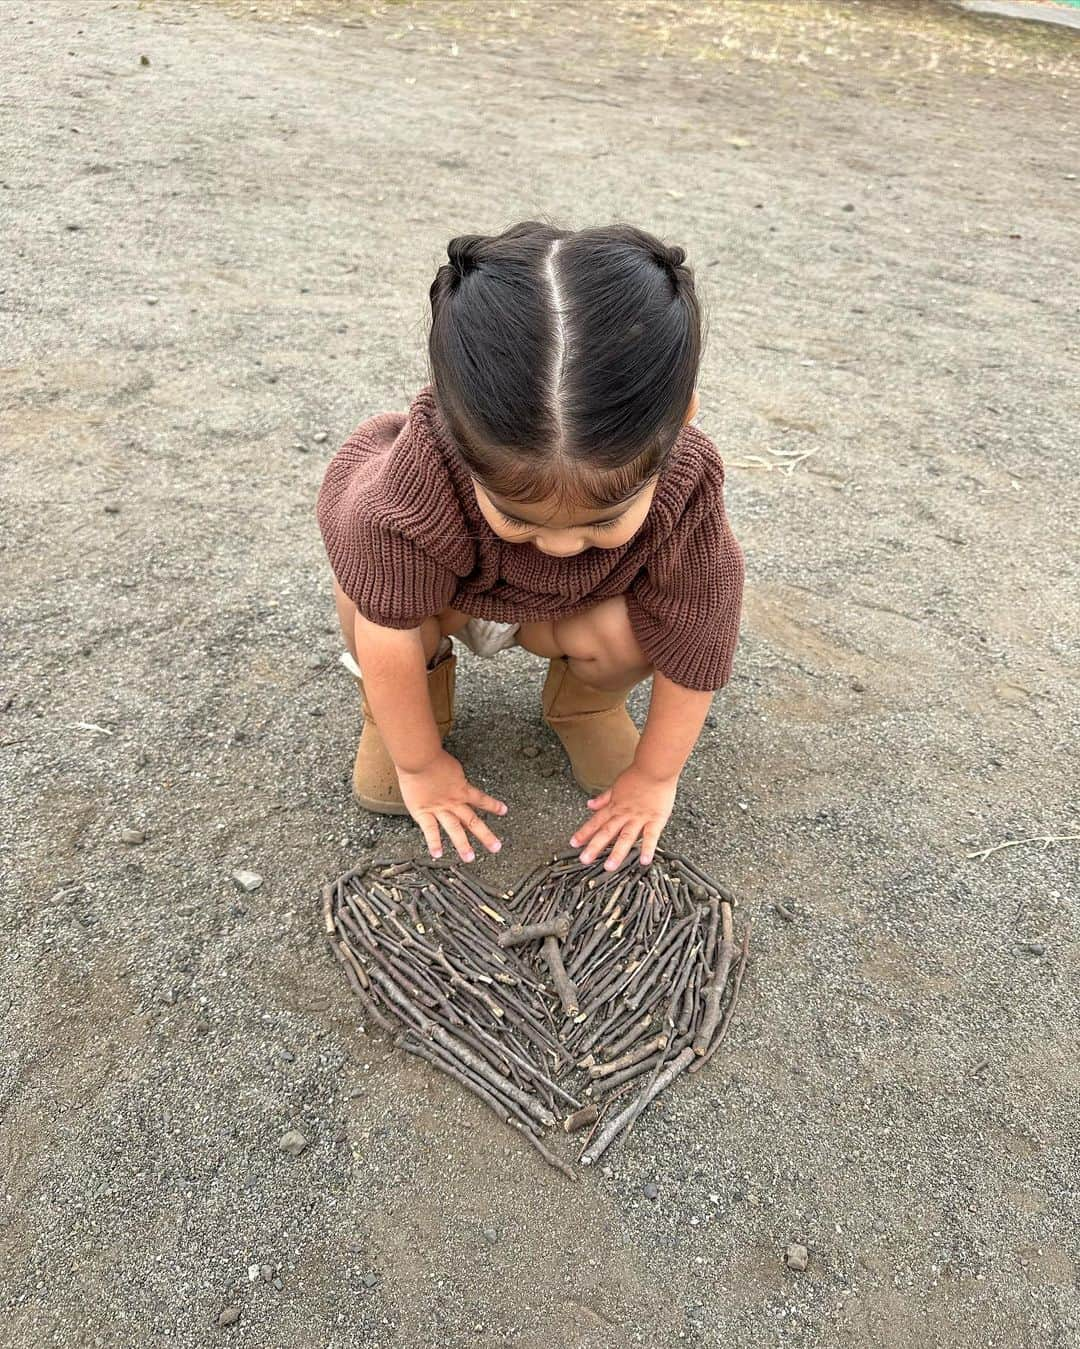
(564, 361)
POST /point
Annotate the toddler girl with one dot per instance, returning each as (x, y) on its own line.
(547, 491)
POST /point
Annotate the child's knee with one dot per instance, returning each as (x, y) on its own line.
(603, 639)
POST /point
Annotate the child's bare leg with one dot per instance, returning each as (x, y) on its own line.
(432, 630)
(584, 697)
(599, 645)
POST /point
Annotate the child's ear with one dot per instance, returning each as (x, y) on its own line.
(692, 410)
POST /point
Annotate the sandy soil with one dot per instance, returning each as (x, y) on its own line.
(214, 265)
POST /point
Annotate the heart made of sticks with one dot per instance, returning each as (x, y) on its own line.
(553, 1000)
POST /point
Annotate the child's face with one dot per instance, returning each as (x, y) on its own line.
(564, 531)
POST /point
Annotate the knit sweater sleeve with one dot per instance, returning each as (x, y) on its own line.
(685, 603)
(378, 552)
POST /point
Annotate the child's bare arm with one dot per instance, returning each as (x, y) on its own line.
(433, 784)
(395, 682)
(676, 716)
(639, 803)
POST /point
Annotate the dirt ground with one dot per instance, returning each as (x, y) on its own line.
(214, 265)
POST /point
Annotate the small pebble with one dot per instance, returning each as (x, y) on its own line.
(369, 1280)
(880, 1226)
(788, 915)
(650, 1191)
(278, 1285)
(292, 1142)
(111, 508)
(531, 751)
(288, 1056)
(1032, 948)
(266, 1273)
(144, 60)
(848, 206)
(247, 881)
(132, 837)
(253, 1272)
(321, 437)
(857, 686)
(153, 299)
(201, 1027)
(228, 1316)
(491, 1236)
(300, 449)
(796, 1256)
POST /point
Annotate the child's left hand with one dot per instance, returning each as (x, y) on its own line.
(636, 806)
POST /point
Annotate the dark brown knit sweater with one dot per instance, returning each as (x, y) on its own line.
(406, 540)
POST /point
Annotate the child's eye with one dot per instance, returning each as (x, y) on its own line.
(606, 524)
(512, 523)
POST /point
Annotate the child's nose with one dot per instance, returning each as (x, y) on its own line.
(559, 547)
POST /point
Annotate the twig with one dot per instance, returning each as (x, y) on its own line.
(732, 1004)
(564, 985)
(1047, 840)
(581, 1119)
(785, 461)
(626, 1117)
(87, 726)
(522, 933)
(632, 1056)
(714, 990)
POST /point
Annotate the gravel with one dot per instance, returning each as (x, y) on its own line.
(293, 1142)
(271, 177)
(796, 1257)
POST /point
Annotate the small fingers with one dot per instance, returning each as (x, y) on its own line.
(649, 839)
(585, 831)
(457, 836)
(482, 801)
(429, 827)
(628, 836)
(603, 836)
(476, 826)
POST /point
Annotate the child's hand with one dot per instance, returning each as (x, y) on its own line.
(635, 806)
(441, 796)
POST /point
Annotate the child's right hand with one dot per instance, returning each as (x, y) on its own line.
(440, 797)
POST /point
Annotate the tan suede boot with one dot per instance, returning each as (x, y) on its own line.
(593, 725)
(375, 782)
